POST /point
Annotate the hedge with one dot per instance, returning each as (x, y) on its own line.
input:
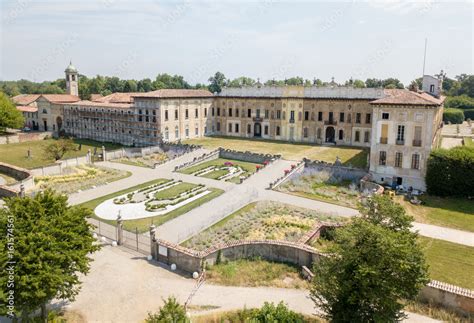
(450, 172)
(469, 114)
(459, 102)
(455, 116)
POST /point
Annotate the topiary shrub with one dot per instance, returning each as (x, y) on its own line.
(469, 114)
(451, 172)
(455, 116)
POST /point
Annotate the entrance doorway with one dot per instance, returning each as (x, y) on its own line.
(330, 134)
(257, 130)
(59, 123)
(45, 125)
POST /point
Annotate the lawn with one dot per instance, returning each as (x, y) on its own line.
(468, 142)
(356, 157)
(143, 225)
(456, 213)
(17, 154)
(174, 191)
(256, 272)
(260, 221)
(449, 262)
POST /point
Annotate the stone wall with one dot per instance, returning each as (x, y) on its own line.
(200, 159)
(23, 176)
(456, 298)
(246, 156)
(343, 172)
(366, 185)
(17, 173)
(6, 191)
(24, 137)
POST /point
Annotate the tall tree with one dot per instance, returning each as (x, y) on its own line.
(49, 251)
(374, 263)
(10, 117)
(217, 82)
(58, 148)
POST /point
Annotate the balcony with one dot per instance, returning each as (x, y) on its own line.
(400, 142)
(416, 143)
(383, 140)
(330, 123)
(257, 119)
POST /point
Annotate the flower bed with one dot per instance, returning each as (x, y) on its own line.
(260, 221)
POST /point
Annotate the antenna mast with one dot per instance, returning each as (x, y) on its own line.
(424, 58)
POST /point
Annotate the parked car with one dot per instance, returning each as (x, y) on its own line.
(26, 129)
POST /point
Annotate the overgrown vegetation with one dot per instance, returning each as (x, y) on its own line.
(455, 116)
(260, 221)
(256, 272)
(451, 172)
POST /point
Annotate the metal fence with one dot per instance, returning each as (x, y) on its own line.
(132, 240)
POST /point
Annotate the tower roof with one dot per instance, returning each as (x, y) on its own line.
(71, 68)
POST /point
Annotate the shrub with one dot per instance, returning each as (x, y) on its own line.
(450, 172)
(455, 116)
(171, 311)
(279, 313)
(469, 114)
(459, 102)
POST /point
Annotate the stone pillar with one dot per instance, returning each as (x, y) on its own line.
(119, 229)
(88, 157)
(22, 190)
(153, 245)
(104, 156)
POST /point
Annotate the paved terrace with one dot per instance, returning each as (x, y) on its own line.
(235, 197)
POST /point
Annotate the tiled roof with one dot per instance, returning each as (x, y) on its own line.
(102, 104)
(117, 97)
(175, 93)
(25, 99)
(61, 98)
(26, 108)
(95, 97)
(406, 97)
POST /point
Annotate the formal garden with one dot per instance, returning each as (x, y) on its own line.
(325, 186)
(229, 170)
(79, 178)
(148, 161)
(154, 202)
(260, 221)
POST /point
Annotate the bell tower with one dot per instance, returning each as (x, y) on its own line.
(72, 82)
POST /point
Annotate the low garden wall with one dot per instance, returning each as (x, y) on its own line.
(190, 260)
(24, 137)
(23, 176)
(346, 173)
(456, 298)
(247, 156)
(200, 159)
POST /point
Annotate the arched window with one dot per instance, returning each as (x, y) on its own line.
(341, 134)
(45, 111)
(167, 134)
(277, 131)
(176, 132)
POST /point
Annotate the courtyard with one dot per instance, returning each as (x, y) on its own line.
(223, 169)
(350, 156)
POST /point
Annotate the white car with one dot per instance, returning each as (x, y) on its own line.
(26, 129)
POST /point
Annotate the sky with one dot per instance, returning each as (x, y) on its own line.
(264, 39)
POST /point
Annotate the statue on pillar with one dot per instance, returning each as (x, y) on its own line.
(119, 229)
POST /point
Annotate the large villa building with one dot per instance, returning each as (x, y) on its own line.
(399, 126)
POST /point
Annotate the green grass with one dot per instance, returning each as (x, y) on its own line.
(451, 212)
(256, 272)
(468, 142)
(143, 225)
(449, 262)
(174, 191)
(16, 154)
(248, 167)
(354, 156)
(216, 174)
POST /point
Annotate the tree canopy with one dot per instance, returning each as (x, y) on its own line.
(10, 117)
(48, 249)
(373, 264)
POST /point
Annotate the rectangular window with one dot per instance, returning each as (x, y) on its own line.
(230, 127)
(267, 114)
(305, 132)
(196, 131)
(384, 136)
(258, 113)
(400, 135)
(166, 115)
(196, 113)
(213, 112)
(306, 115)
(385, 116)
(218, 111)
(417, 137)
(366, 136)
(186, 132)
(186, 113)
(320, 116)
(237, 113)
(218, 126)
(265, 130)
(292, 116)
(237, 127)
(249, 128)
(383, 158)
(249, 113)
(357, 136)
(205, 112)
(415, 161)
(367, 117)
(278, 114)
(358, 116)
(398, 159)
(176, 114)
(277, 132)
(230, 112)
(341, 117)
